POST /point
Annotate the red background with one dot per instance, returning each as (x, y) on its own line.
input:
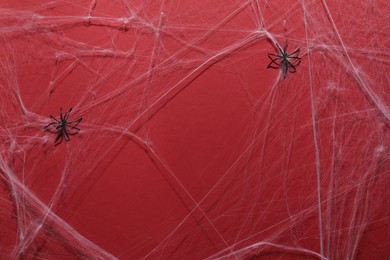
(190, 148)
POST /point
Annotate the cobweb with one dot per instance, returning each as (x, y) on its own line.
(189, 147)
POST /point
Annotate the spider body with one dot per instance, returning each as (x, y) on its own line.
(63, 126)
(284, 61)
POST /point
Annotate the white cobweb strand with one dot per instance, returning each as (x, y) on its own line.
(30, 223)
(33, 216)
(366, 88)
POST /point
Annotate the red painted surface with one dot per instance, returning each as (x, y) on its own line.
(190, 148)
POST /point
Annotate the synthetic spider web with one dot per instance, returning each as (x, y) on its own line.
(189, 147)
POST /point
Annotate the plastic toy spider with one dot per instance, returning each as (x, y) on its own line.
(63, 125)
(285, 62)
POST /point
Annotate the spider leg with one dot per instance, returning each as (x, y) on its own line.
(294, 57)
(275, 55)
(281, 51)
(49, 125)
(74, 128)
(61, 114)
(292, 65)
(75, 121)
(67, 113)
(296, 51)
(299, 62)
(60, 137)
(53, 118)
(292, 70)
(272, 67)
(274, 61)
(66, 136)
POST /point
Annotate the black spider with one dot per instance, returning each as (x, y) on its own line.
(62, 126)
(285, 62)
